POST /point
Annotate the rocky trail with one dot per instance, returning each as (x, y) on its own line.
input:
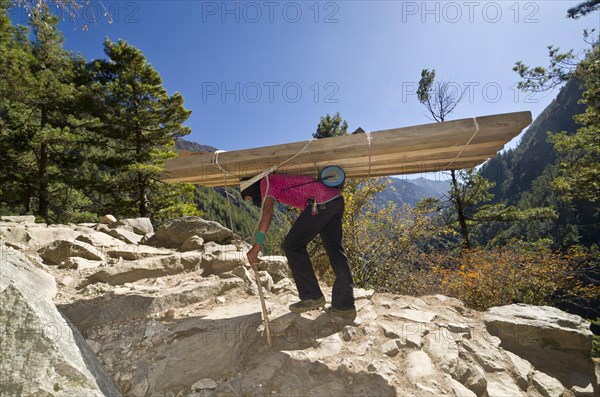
(118, 308)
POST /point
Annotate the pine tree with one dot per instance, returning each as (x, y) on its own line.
(13, 64)
(37, 119)
(140, 122)
(580, 152)
(331, 126)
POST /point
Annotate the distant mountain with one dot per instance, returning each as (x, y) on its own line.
(189, 146)
(410, 191)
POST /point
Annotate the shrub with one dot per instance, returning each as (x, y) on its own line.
(483, 278)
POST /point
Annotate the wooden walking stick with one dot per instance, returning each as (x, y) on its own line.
(263, 304)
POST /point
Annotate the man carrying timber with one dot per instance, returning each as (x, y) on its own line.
(322, 210)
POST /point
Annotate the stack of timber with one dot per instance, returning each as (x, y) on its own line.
(424, 148)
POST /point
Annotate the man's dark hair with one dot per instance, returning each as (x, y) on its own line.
(253, 191)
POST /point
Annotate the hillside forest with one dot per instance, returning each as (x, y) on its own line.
(83, 138)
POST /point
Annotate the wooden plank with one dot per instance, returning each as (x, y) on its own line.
(395, 170)
(333, 148)
(376, 170)
(440, 155)
(435, 141)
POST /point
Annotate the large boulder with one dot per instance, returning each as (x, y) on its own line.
(14, 233)
(539, 327)
(140, 226)
(39, 235)
(15, 268)
(34, 236)
(175, 233)
(59, 251)
(40, 352)
(536, 333)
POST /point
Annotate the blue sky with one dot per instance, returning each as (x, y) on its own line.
(257, 73)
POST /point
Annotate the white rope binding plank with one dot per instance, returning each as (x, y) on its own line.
(369, 140)
(466, 145)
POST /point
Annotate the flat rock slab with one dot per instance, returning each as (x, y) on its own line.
(360, 293)
(418, 316)
(124, 235)
(80, 263)
(39, 236)
(18, 218)
(153, 267)
(15, 233)
(419, 365)
(101, 240)
(132, 252)
(539, 327)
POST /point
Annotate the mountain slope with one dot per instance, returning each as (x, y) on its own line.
(410, 191)
(524, 177)
(189, 146)
(515, 170)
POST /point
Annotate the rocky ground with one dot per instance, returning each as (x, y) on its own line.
(176, 312)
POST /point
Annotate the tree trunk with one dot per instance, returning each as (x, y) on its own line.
(142, 197)
(43, 172)
(464, 230)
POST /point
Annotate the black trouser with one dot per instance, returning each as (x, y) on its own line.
(328, 224)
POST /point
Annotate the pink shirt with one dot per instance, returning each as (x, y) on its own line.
(285, 189)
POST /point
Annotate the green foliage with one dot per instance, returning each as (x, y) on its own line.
(383, 244)
(331, 126)
(524, 176)
(172, 201)
(39, 124)
(583, 8)
(425, 85)
(540, 78)
(596, 340)
(517, 273)
(469, 203)
(580, 152)
(139, 124)
(439, 98)
(78, 139)
(472, 191)
(216, 206)
(576, 150)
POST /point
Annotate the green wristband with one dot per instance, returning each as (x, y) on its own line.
(260, 237)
